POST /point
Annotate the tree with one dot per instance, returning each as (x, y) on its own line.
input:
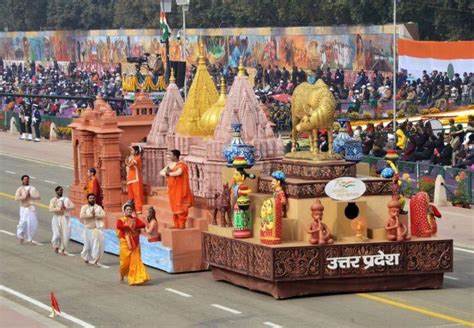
(437, 19)
(23, 15)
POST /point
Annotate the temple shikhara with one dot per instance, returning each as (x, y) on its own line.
(287, 225)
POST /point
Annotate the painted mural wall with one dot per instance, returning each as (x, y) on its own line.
(350, 48)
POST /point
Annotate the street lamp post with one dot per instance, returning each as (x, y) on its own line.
(185, 7)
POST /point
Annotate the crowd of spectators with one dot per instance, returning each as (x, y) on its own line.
(417, 141)
(53, 81)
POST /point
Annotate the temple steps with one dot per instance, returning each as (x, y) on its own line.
(183, 245)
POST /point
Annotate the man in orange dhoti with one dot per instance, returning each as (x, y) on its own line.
(135, 178)
(93, 186)
(179, 192)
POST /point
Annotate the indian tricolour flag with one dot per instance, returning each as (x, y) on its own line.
(164, 27)
(450, 56)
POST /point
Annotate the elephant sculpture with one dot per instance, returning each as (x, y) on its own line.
(312, 108)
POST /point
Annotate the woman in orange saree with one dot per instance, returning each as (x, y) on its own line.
(131, 265)
(135, 178)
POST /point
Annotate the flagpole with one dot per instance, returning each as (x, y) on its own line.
(394, 79)
(184, 53)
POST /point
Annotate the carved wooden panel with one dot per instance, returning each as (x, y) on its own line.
(430, 256)
(317, 262)
(261, 262)
(297, 263)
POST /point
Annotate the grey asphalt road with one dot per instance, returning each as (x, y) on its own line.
(95, 295)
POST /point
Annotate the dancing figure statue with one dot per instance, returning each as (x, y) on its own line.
(272, 212)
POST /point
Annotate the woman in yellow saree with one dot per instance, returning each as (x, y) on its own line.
(131, 265)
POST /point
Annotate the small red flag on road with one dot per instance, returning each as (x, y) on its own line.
(54, 307)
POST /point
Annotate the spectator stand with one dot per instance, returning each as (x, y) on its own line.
(423, 175)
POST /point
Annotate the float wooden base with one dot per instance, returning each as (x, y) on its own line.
(297, 269)
(288, 289)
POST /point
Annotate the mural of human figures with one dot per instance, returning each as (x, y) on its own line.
(367, 49)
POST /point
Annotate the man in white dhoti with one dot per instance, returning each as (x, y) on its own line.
(60, 206)
(92, 216)
(28, 224)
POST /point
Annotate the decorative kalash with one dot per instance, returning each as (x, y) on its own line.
(279, 243)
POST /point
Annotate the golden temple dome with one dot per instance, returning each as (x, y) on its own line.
(202, 95)
(211, 117)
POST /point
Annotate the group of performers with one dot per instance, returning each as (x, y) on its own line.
(92, 215)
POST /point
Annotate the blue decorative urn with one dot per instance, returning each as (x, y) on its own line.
(353, 150)
(237, 147)
(339, 143)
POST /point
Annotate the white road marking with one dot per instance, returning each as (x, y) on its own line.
(37, 161)
(271, 324)
(463, 250)
(177, 292)
(49, 181)
(103, 266)
(45, 307)
(226, 308)
(452, 278)
(12, 234)
(10, 172)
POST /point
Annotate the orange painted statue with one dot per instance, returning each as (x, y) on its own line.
(131, 265)
(93, 186)
(396, 231)
(135, 178)
(179, 192)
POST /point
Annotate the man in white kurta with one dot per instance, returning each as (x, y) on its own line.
(92, 215)
(60, 206)
(28, 225)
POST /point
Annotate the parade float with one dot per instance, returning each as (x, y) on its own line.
(301, 224)
(317, 227)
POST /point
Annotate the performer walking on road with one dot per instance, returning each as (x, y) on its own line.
(28, 224)
(128, 230)
(92, 216)
(60, 206)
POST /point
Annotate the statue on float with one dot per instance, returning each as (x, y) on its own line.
(133, 165)
(272, 212)
(423, 215)
(396, 230)
(319, 231)
(312, 108)
(241, 201)
(223, 207)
